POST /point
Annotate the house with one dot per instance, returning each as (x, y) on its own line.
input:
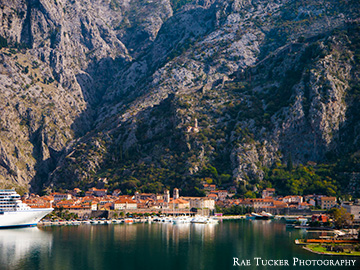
(159, 204)
(268, 192)
(221, 194)
(229, 202)
(312, 202)
(100, 192)
(209, 187)
(124, 203)
(293, 199)
(105, 207)
(48, 198)
(353, 209)
(116, 192)
(105, 199)
(64, 203)
(37, 203)
(90, 202)
(75, 192)
(200, 202)
(320, 218)
(94, 205)
(280, 204)
(304, 205)
(213, 196)
(258, 203)
(144, 196)
(87, 199)
(328, 202)
(97, 192)
(158, 197)
(212, 187)
(313, 199)
(89, 193)
(267, 203)
(61, 196)
(179, 204)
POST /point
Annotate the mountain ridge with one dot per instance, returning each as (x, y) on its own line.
(267, 82)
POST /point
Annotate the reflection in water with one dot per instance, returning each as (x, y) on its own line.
(180, 233)
(17, 244)
(169, 233)
(150, 246)
(125, 232)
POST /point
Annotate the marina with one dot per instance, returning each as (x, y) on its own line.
(156, 219)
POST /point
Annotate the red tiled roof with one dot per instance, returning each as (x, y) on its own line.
(328, 198)
(179, 201)
(125, 200)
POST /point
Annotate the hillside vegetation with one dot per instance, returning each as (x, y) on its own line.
(163, 94)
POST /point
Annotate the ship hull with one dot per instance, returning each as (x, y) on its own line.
(22, 218)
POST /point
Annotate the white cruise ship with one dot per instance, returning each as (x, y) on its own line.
(15, 213)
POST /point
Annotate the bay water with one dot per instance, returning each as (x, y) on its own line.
(159, 246)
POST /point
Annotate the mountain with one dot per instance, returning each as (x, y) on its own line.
(155, 94)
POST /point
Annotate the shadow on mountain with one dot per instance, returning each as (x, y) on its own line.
(93, 82)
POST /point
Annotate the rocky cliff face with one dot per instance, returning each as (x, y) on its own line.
(114, 88)
(57, 62)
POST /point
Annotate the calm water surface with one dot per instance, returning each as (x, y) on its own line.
(154, 246)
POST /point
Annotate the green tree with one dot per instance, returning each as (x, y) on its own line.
(341, 217)
(225, 178)
(250, 194)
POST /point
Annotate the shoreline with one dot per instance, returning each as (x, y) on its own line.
(231, 217)
(331, 254)
(78, 222)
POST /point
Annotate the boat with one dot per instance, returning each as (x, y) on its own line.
(267, 214)
(116, 221)
(128, 221)
(15, 213)
(166, 220)
(250, 217)
(212, 220)
(182, 220)
(200, 220)
(204, 220)
(263, 215)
